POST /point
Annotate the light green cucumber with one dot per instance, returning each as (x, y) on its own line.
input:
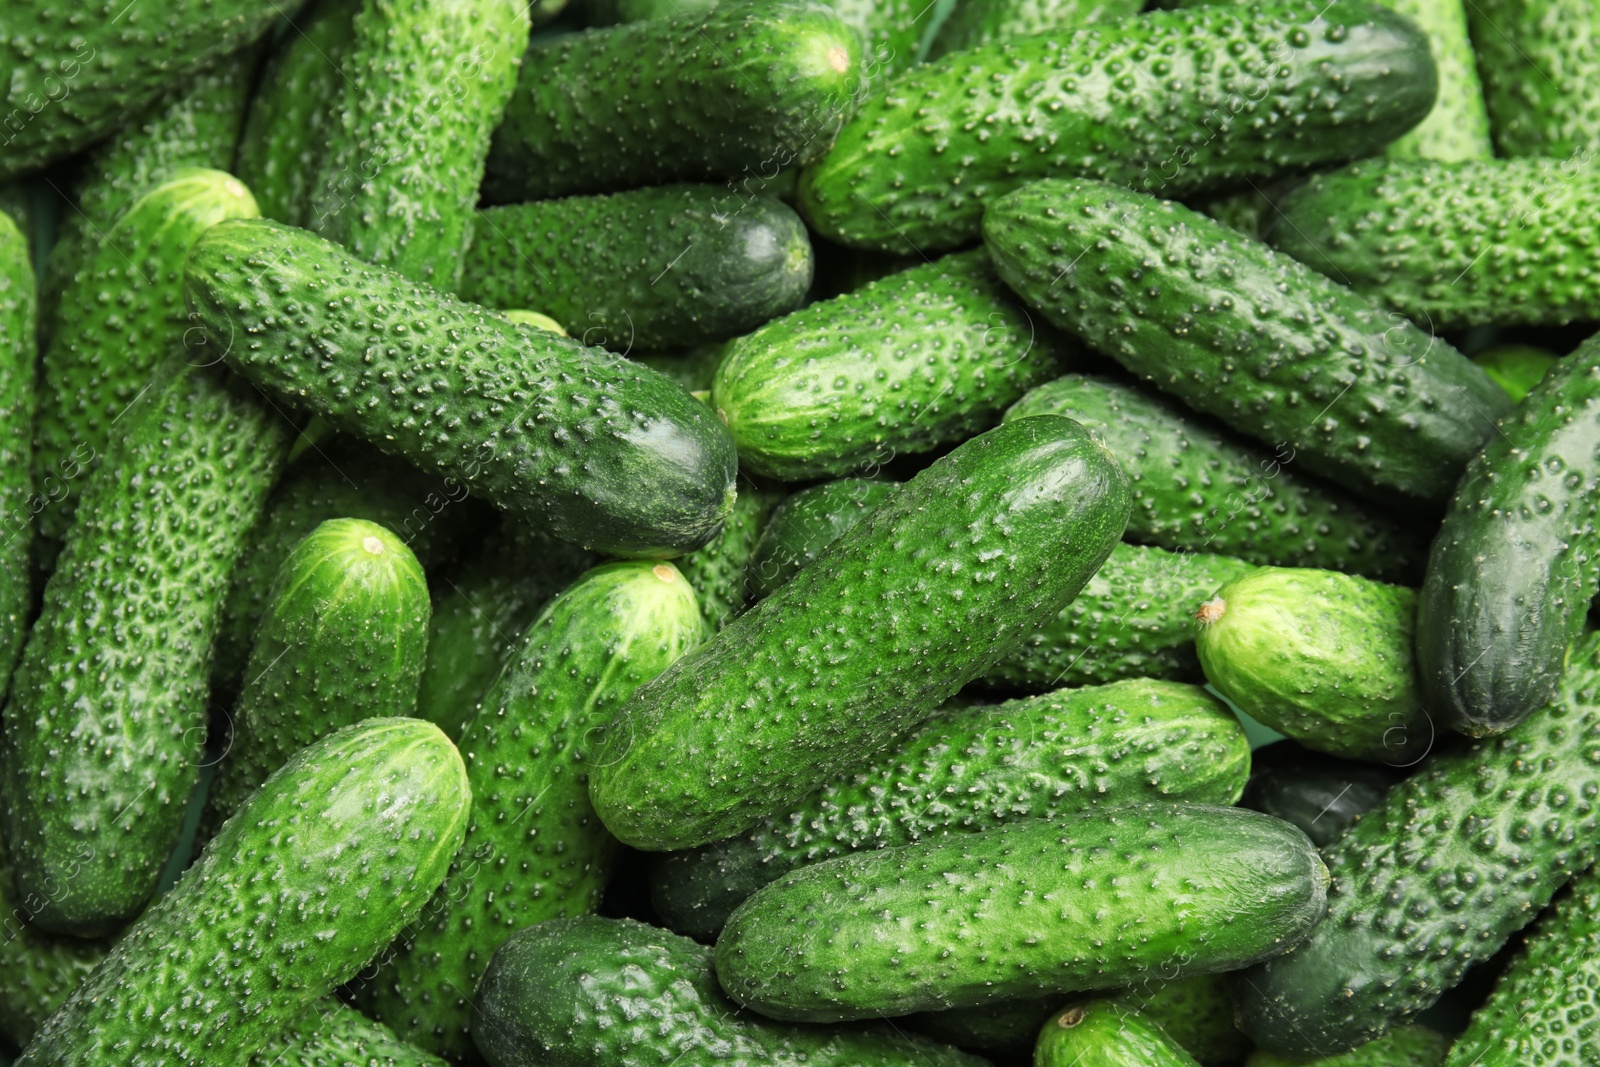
(1515, 368)
(806, 523)
(1404, 1046)
(1457, 128)
(1106, 1033)
(537, 319)
(19, 500)
(978, 22)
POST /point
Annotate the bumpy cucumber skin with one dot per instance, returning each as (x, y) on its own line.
(1106, 1033)
(425, 84)
(1021, 910)
(1450, 245)
(602, 452)
(806, 523)
(593, 992)
(1196, 1014)
(924, 357)
(982, 545)
(719, 573)
(104, 349)
(972, 769)
(1461, 855)
(293, 112)
(1457, 129)
(1517, 559)
(688, 98)
(1247, 334)
(669, 266)
(1319, 793)
(341, 848)
(18, 503)
(980, 22)
(1197, 488)
(1515, 368)
(1171, 102)
(534, 850)
(332, 1035)
(1537, 62)
(1404, 1046)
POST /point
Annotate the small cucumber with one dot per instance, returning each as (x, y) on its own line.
(1515, 368)
(1196, 1014)
(328, 1034)
(1498, 242)
(340, 848)
(687, 98)
(1247, 334)
(922, 358)
(719, 573)
(670, 266)
(1404, 1046)
(1024, 910)
(979, 22)
(972, 769)
(1106, 1033)
(1537, 62)
(600, 451)
(1319, 793)
(982, 545)
(593, 992)
(1460, 856)
(19, 502)
(1457, 129)
(1517, 559)
(806, 523)
(534, 849)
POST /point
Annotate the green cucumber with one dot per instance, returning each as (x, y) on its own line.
(1196, 1014)
(1537, 62)
(1106, 1033)
(19, 502)
(1005, 1031)
(534, 850)
(1024, 910)
(1517, 559)
(1515, 368)
(342, 640)
(972, 769)
(1457, 129)
(692, 368)
(105, 347)
(1197, 488)
(340, 848)
(1404, 1046)
(1173, 102)
(536, 318)
(329, 1034)
(1248, 335)
(1495, 242)
(1460, 856)
(980, 22)
(600, 451)
(688, 98)
(806, 523)
(982, 545)
(423, 87)
(670, 266)
(1319, 793)
(593, 992)
(106, 725)
(719, 573)
(1322, 657)
(922, 358)
(18, 199)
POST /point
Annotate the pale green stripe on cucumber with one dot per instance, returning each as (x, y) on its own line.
(19, 497)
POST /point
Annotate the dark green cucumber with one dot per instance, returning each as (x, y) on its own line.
(593, 992)
(104, 349)
(103, 739)
(1515, 368)
(1006, 1030)
(332, 1035)
(1404, 1046)
(1517, 560)
(534, 850)
(719, 573)
(1024, 910)
(1461, 855)
(1236, 330)
(670, 266)
(1198, 488)
(972, 769)
(691, 368)
(1106, 1033)
(1450, 245)
(979, 22)
(1173, 102)
(1537, 62)
(1319, 793)
(1457, 129)
(921, 358)
(982, 545)
(19, 503)
(806, 523)
(600, 451)
(341, 847)
(687, 98)
(1196, 1014)
(423, 86)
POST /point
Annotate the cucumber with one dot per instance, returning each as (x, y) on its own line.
(600, 451)
(332, 1035)
(1517, 559)
(1304, 365)
(1197, 488)
(103, 351)
(692, 368)
(806, 523)
(1404, 1046)
(423, 86)
(991, 539)
(1461, 855)
(593, 992)
(1196, 1014)
(1173, 102)
(18, 200)
(535, 318)
(1450, 245)
(903, 365)
(1005, 1031)
(19, 502)
(1323, 657)
(979, 22)
(1319, 793)
(351, 836)
(1537, 62)
(1023, 910)
(1105, 1033)
(719, 572)
(1457, 129)
(103, 739)
(1515, 368)
(342, 640)
(534, 850)
(688, 98)
(669, 266)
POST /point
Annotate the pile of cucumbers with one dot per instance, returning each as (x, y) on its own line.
(843, 533)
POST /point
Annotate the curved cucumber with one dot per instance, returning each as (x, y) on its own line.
(19, 503)
(1537, 62)
(671, 266)
(353, 834)
(1515, 368)
(1404, 1046)
(1247, 334)
(329, 1034)
(1106, 1033)
(806, 523)
(599, 450)
(719, 572)
(1319, 793)
(1457, 129)
(1023, 910)
(979, 22)
(990, 540)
